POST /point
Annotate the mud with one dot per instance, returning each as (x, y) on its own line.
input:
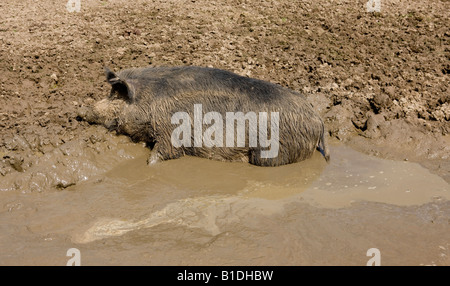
(194, 211)
(379, 80)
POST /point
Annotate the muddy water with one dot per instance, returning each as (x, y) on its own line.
(195, 211)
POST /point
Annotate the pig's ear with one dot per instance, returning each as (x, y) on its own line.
(110, 75)
(121, 87)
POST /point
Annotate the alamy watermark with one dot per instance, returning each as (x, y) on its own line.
(73, 6)
(214, 134)
(376, 257)
(373, 6)
(75, 255)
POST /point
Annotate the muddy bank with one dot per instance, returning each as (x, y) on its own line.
(403, 139)
(72, 162)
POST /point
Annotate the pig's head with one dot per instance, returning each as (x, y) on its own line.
(118, 111)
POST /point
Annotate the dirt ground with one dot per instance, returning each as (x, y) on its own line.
(380, 76)
(379, 80)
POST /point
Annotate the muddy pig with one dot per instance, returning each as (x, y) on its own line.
(209, 113)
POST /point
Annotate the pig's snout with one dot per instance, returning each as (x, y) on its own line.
(87, 114)
(104, 112)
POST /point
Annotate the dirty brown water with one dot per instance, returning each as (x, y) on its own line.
(194, 211)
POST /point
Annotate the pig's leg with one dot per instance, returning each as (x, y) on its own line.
(154, 158)
(163, 150)
(286, 155)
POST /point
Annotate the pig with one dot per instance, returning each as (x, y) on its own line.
(143, 101)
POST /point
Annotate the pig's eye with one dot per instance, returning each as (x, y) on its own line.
(111, 124)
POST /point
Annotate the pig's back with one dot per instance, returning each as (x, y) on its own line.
(176, 81)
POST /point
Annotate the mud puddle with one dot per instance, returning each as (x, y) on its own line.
(195, 211)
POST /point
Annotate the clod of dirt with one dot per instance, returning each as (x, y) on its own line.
(16, 163)
(380, 101)
(338, 123)
(373, 123)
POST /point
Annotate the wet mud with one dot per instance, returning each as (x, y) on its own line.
(195, 211)
(379, 80)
